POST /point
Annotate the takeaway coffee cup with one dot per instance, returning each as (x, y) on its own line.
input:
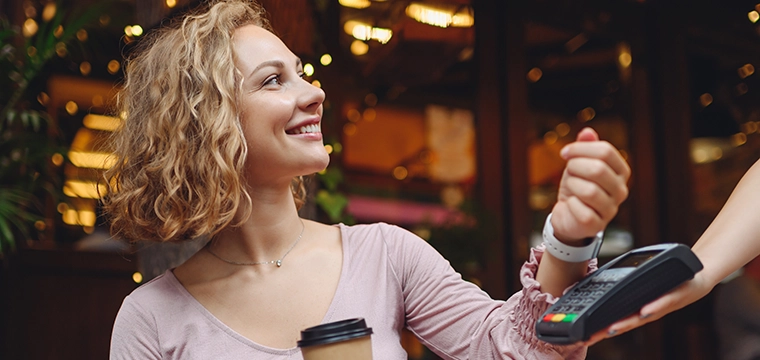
(340, 340)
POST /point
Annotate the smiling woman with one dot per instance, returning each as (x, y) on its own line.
(219, 126)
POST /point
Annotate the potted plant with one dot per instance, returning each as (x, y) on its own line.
(30, 146)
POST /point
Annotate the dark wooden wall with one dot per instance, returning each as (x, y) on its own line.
(61, 304)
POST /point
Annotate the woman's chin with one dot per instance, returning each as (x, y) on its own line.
(319, 164)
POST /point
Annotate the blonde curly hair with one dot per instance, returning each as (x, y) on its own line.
(181, 147)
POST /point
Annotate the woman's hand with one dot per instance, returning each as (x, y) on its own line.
(592, 187)
(685, 294)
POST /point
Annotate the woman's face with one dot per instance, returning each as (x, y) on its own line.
(281, 112)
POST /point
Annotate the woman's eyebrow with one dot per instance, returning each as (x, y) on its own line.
(274, 63)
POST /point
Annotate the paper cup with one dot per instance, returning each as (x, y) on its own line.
(341, 340)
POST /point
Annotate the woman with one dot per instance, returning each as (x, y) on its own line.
(218, 124)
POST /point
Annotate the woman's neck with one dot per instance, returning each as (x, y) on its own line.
(271, 229)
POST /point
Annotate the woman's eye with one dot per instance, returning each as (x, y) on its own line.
(302, 75)
(274, 80)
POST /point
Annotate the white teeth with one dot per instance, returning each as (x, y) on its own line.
(307, 129)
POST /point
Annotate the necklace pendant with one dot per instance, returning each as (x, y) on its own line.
(279, 263)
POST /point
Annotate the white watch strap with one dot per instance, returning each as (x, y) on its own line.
(570, 253)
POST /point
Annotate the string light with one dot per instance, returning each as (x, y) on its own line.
(550, 138)
(705, 99)
(57, 159)
(113, 66)
(746, 71)
(325, 60)
(62, 207)
(308, 69)
(364, 32)
(562, 129)
(586, 114)
(753, 16)
(400, 173)
(353, 115)
(48, 11)
(349, 129)
(60, 49)
(359, 48)
(72, 108)
(369, 114)
(133, 30)
(440, 17)
(30, 28)
(82, 35)
(535, 74)
(104, 20)
(738, 139)
(85, 68)
(43, 98)
(355, 4)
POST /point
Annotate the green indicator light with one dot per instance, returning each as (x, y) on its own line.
(569, 317)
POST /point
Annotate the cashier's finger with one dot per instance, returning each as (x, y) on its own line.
(615, 329)
(628, 324)
(596, 338)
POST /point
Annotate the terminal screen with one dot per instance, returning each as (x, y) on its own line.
(635, 259)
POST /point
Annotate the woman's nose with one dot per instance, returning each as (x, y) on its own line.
(312, 95)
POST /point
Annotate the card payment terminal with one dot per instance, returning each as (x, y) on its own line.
(617, 289)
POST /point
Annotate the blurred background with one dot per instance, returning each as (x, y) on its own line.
(442, 116)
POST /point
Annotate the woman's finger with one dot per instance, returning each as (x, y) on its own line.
(598, 172)
(591, 195)
(599, 150)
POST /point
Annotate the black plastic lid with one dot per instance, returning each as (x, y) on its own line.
(333, 332)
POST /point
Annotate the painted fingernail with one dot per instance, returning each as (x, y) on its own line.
(645, 316)
(612, 332)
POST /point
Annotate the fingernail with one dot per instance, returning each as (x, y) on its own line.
(612, 332)
(563, 152)
(645, 316)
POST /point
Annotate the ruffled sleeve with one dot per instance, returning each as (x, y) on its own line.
(530, 303)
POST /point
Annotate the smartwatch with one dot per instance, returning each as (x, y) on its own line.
(570, 253)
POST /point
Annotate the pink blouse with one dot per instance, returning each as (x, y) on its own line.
(390, 277)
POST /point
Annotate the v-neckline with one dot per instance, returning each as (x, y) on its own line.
(337, 297)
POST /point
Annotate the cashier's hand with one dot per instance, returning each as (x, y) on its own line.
(683, 295)
(592, 187)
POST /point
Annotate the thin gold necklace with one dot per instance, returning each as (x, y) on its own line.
(277, 262)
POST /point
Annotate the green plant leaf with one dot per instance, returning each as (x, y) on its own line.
(34, 118)
(7, 234)
(331, 178)
(332, 203)
(24, 119)
(14, 213)
(10, 116)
